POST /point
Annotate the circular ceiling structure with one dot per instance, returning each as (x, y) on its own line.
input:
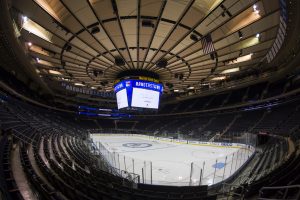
(186, 43)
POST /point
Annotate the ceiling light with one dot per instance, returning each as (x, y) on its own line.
(54, 72)
(93, 87)
(25, 19)
(176, 90)
(227, 71)
(37, 60)
(191, 88)
(240, 59)
(218, 78)
(29, 44)
(257, 35)
(255, 9)
(65, 79)
(36, 29)
(204, 84)
(78, 84)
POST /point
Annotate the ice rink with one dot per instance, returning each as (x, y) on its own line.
(171, 162)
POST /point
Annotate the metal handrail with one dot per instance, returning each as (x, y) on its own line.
(132, 177)
(230, 192)
(285, 188)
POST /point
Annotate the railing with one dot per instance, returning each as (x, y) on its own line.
(228, 190)
(108, 166)
(130, 131)
(284, 191)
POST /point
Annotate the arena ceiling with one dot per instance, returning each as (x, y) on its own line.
(78, 41)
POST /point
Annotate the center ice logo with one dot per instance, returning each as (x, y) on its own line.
(137, 145)
(219, 165)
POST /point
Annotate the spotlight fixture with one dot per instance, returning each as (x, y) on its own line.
(119, 61)
(212, 56)
(180, 77)
(97, 72)
(240, 34)
(29, 44)
(104, 83)
(169, 85)
(257, 35)
(225, 10)
(194, 37)
(162, 63)
(241, 53)
(147, 23)
(68, 47)
(95, 30)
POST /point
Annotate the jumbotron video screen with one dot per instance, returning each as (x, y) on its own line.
(138, 94)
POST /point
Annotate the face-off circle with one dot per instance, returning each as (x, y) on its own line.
(137, 145)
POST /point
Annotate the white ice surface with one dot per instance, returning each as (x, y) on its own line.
(171, 162)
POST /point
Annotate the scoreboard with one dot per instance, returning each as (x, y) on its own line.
(138, 94)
